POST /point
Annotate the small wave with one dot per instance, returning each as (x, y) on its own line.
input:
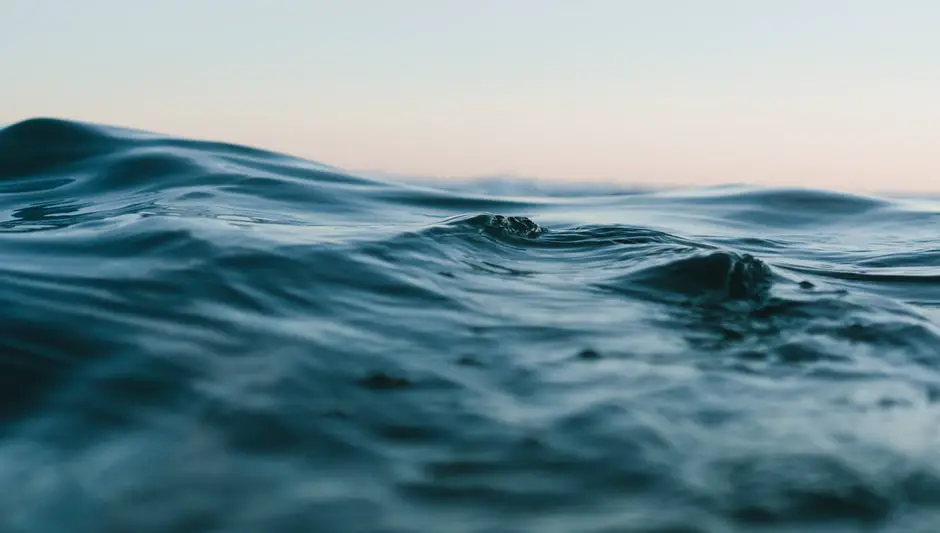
(501, 226)
(722, 275)
(818, 202)
(41, 145)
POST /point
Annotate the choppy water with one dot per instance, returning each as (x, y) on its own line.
(199, 337)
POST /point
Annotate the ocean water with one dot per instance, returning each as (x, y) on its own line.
(200, 337)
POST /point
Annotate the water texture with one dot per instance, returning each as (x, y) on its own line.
(201, 337)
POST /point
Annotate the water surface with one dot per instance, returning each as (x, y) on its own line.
(201, 337)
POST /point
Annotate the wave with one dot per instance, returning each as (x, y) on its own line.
(203, 336)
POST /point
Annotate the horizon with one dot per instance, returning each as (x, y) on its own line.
(837, 96)
(546, 182)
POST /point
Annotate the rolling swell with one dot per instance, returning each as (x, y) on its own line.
(205, 337)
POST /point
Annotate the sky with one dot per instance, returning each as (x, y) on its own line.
(841, 94)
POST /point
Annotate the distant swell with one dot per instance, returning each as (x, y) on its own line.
(199, 336)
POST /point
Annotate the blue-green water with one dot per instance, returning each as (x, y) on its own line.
(199, 337)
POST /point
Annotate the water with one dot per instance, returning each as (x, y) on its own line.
(199, 337)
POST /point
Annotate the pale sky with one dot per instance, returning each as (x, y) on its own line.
(840, 94)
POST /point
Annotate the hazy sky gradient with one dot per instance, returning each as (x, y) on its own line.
(828, 93)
